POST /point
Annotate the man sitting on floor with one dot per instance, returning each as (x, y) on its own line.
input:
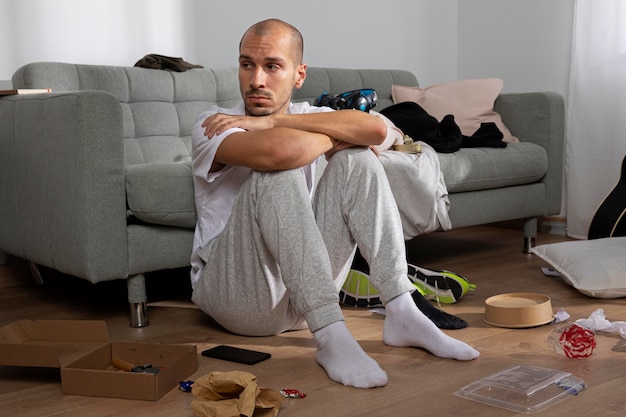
(266, 259)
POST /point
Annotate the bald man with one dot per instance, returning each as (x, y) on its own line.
(269, 256)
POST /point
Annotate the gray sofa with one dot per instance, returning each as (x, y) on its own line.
(95, 177)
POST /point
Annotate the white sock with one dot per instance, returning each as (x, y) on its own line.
(344, 360)
(406, 325)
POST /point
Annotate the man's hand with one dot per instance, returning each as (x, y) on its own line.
(219, 123)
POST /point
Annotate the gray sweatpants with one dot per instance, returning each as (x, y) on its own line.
(282, 259)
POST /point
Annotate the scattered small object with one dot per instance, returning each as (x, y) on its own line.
(550, 272)
(571, 384)
(408, 145)
(561, 316)
(123, 365)
(185, 386)
(597, 322)
(573, 341)
(292, 393)
(235, 354)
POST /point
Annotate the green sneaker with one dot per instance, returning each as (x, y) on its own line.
(358, 292)
(444, 286)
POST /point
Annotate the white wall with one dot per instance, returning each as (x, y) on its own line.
(348, 33)
(525, 42)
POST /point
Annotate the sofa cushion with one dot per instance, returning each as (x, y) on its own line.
(471, 169)
(470, 101)
(161, 193)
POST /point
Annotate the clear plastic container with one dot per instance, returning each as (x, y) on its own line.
(523, 388)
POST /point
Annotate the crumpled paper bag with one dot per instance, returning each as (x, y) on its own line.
(233, 394)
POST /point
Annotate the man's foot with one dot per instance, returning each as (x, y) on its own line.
(406, 325)
(344, 360)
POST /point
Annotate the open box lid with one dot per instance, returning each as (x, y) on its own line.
(523, 388)
(50, 343)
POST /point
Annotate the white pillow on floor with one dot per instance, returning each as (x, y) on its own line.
(596, 268)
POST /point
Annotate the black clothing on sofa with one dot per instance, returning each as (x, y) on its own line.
(444, 136)
(163, 62)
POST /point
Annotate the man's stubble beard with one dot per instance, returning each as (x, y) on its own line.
(259, 111)
(267, 111)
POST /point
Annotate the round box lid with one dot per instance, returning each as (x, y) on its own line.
(518, 310)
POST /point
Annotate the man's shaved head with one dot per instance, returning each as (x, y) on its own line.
(269, 26)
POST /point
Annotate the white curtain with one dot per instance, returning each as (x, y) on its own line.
(596, 114)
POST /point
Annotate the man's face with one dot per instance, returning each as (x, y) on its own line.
(268, 72)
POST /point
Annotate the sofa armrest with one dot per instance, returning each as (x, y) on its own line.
(62, 190)
(539, 118)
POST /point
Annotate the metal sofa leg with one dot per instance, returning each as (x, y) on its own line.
(530, 233)
(137, 300)
(35, 272)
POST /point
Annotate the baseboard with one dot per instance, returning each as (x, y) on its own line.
(554, 225)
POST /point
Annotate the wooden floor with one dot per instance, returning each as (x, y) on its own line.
(419, 383)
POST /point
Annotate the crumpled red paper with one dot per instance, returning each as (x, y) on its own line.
(233, 394)
(577, 342)
(572, 340)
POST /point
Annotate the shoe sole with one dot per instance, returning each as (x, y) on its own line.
(444, 286)
(358, 292)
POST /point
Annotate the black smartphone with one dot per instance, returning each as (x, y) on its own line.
(235, 354)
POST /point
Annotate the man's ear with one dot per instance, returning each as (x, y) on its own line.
(300, 75)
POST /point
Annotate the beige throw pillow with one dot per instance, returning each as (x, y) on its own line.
(470, 101)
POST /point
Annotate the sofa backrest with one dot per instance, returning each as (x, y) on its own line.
(339, 80)
(160, 108)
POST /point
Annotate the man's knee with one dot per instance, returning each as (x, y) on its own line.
(359, 160)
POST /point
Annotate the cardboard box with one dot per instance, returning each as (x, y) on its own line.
(84, 354)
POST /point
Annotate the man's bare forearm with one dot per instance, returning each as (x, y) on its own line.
(350, 126)
(273, 149)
